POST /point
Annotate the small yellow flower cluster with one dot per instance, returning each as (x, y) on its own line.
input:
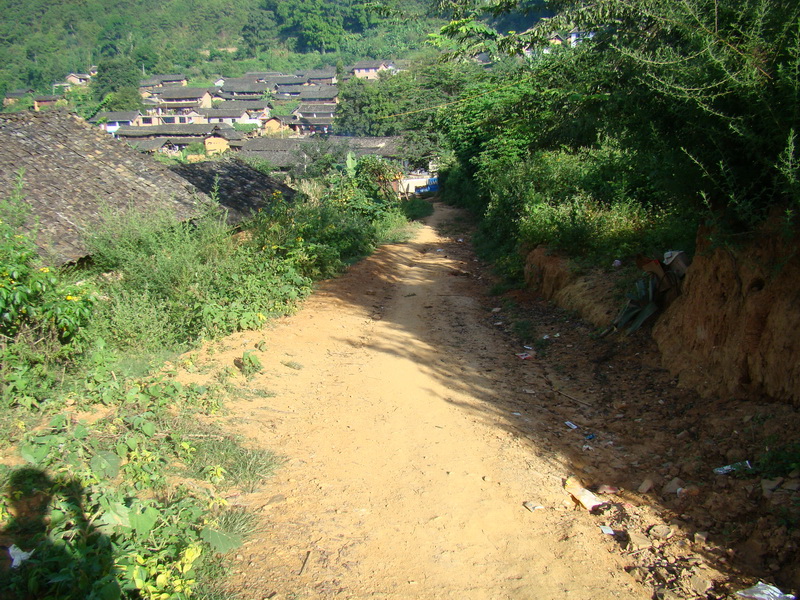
(44, 270)
(72, 298)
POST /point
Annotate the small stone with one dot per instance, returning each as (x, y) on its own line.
(487, 479)
(636, 541)
(672, 487)
(646, 486)
(531, 506)
(770, 485)
(639, 574)
(700, 537)
(700, 584)
(682, 435)
(791, 485)
(660, 532)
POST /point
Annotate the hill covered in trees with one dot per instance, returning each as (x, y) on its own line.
(41, 41)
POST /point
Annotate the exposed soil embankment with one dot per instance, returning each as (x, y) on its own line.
(589, 294)
(733, 332)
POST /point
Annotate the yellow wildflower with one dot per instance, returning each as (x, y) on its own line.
(44, 270)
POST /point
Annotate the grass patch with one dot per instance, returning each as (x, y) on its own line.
(223, 460)
(415, 209)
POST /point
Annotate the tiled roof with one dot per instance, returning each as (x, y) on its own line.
(319, 92)
(181, 93)
(72, 169)
(245, 86)
(186, 129)
(115, 116)
(222, 113)
(241, 189)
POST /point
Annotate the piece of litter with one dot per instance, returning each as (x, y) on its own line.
(528, 391)
(531, 506)
(460, 240)
(583, 496)
(498, 323)
(557, 335)
(496, 309)
(516, 414)
(570, 424)
(764, 591)
(18, 555)
(587, 447)
(607, 489)
(439, 250)
(545, 337)
(606, 529)
(589, 436)
(524, 355)
(739, 466)
(528, 347)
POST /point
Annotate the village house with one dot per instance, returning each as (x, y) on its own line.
(173, 138)
(110, 121)
(224, 115)
(325, 110)
(370, 69)
(261, 76)
(40, 102)
(319, 77)
(320, 93)
(15, 96)
(78, 78)
(243, 89)
(278, 125)
(160, 81)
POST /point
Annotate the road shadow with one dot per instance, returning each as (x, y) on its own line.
(601, 408)
(49, 547)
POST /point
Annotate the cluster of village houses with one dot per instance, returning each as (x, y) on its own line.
(175, 115)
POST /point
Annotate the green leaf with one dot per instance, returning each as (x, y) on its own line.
(220, 541)
(116, 515)
(142, 522)
(148, 428)
(105, 465)
(34, 453)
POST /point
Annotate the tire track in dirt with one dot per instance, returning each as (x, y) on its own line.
(405, 467)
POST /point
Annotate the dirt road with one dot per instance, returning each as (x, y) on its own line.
(401, 412)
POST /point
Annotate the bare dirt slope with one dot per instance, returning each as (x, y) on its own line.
(413, 435)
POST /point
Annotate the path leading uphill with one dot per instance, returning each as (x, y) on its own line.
(412, 437)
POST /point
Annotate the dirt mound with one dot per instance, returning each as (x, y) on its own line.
(734, 331)
(589, 294)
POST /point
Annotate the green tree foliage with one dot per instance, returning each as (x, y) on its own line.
(113, 75)
(660, 109)
(40, 41)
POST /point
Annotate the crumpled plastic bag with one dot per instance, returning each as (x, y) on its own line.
(18, 555)
(764, 591)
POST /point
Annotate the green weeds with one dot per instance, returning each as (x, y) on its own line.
(129, 505)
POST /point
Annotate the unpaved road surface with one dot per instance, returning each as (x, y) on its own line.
(413, 436)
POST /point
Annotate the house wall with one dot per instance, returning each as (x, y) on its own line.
(216, 145)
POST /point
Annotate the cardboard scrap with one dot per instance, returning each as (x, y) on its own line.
(583, 496)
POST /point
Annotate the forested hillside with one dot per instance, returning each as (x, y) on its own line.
(41, 42)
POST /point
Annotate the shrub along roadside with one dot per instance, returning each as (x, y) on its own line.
(115, 508)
